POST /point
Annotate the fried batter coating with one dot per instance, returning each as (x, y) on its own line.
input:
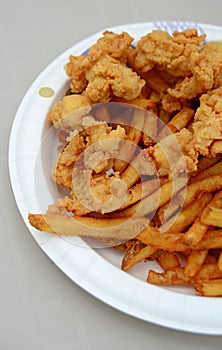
(108, 77)
(103, 73)
(207, 125)
(181, 55)
(78, 142)
(68, 113)
(171, 52)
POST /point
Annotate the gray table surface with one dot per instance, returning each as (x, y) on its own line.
(40, 308)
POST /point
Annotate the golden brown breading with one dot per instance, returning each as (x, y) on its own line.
(103, 73)
(68, 113)
(207, 125)
(78, 142)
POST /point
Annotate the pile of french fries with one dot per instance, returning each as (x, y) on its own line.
(170, 217)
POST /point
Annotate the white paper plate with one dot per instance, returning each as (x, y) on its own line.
(97, 270)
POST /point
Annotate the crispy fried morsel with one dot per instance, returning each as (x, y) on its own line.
(111, 44)
(78, 142)
(68, 113)
(108, 77)
(122, 229)
(194, 262)
(209, 288)
(171, 52)
(168, 277)
(173, 155)
(100, 188)
(207, 125)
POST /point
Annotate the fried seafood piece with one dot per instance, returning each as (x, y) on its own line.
(159, 48)
(100, 137)
(207, 125)
(108, 77)
(197, 67)
(104, 71)
(68, 113)
(205, 73)
(100, 189)
(174, 154)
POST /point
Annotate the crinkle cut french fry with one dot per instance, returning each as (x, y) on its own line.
(168, 277)
(194, 262)
(209, 288)
(88, 227)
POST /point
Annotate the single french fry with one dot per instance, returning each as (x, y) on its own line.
(187, 215)
(211, 240)
(212, 213)
(156, 199)
(210, 184)
(125, 246)
(134, 256)
(140, 165)
(122, 229)
(196, 232)
(214, 217)
(168, 260)
(181, 119)
(209, 288)
(171, 242)
(133, 137)
(195, 261)
(215, 169)
(139, 191)
(208, 271)
(168, 277)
